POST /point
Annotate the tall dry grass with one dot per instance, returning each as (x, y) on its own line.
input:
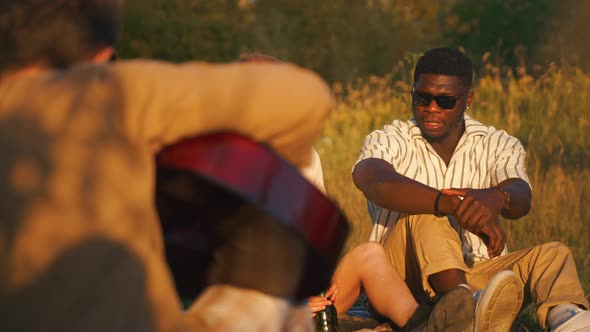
(547, 109)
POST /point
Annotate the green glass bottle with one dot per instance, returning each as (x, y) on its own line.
(327, 319)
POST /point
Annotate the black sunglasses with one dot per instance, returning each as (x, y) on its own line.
(444, 102)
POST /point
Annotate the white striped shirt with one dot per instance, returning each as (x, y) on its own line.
(483, 158)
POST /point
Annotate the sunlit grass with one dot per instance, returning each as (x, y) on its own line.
(548, 110)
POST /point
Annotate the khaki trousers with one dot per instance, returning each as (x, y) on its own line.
(422, 245)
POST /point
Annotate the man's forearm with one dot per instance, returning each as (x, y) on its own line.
(381, 184)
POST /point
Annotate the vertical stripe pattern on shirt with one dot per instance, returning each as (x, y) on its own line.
(483, 158)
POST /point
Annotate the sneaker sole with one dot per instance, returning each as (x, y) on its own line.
(580, 322)
(499, 303)
(453, 312)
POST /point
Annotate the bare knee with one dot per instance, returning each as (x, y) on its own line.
(366, 252)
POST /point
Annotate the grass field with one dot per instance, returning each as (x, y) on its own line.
(548, 110)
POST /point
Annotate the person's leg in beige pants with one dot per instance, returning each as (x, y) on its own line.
(548, 272)
(421, 245)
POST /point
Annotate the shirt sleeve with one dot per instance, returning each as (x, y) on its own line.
(510, 160)
(386, 144)
(279, 104)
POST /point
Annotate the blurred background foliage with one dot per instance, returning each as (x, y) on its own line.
(531, 57)
(346, 39)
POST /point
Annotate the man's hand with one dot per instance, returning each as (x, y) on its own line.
(478, 213)
(494, 238)
(479, 207)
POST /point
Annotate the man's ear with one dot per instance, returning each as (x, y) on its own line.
(103, 55)
(469, 99)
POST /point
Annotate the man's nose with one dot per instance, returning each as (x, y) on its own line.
(433, 107)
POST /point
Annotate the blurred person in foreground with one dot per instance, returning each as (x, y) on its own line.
(436, 186)
(80, 243)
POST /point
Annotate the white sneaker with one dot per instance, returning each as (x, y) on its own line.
(498, 304)
(580, 322)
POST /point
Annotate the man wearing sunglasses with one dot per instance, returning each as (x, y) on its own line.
(436, 186)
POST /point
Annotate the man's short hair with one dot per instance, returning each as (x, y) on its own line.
(445, 61)
(55, 33)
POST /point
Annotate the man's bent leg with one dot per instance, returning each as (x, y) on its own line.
(423, 246)
(548, 272)
(366, 266)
